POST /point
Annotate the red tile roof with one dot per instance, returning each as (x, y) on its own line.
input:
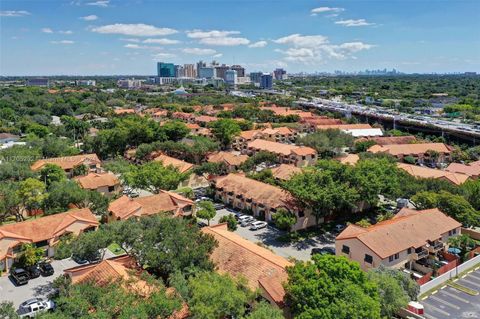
(280, 148)
(469, 169)
(228, 158)
(410, 149)
(67, 162)
(425, 172)
(182, 166)
(96, 180)
(285, 171)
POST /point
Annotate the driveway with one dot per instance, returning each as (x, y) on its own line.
(268, 236)
(38, 287)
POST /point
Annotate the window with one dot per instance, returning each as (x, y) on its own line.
(452, 232)
(390, 259)
(41, 243)
(368, 259)
(397, 255)
(409, 251)
(111, 188)
(301, 214)
(345, 249)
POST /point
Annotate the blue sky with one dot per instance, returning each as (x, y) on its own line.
(88, 37)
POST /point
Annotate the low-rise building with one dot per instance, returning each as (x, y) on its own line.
(388, 140)
(68, 163)
(410, 237)
(105, 183)
(203, 120)
(349, 159)
(287, 153)
(183, 116)
(231, 160)
(241, 140)
(471, 169)
(422, 152)
(262, 199)
(7, 138)
(425, 172)
(279, 134)
(44, 232)
(284, 172)
(165, 202)
(182, 166)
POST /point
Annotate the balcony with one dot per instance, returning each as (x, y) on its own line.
(435, 246)
(420, 254)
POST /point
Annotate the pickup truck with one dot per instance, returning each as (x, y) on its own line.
(33, 307)
(20, 276)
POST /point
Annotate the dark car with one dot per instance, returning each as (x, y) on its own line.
(46, 269)
(33, 271)
(79, 260)
(201, 224)
(323, 251)
(89, 259)
(19, 276)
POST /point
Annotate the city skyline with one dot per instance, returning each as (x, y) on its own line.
(88, 37)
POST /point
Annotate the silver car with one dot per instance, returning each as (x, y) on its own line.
(258, 225)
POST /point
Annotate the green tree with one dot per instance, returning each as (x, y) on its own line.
(463, 242)
(80, 170)
(31, 193)
(175, 130)
(224, 130)
(90, 244)
(51, 173)
(10, 203)
(331, 287)
(284, 219)
(327, 143)
(206, 210)
(471, 190)
(30, 255)
(153, 176)
(215, 296)
(230, 220)
(7, 311)
(263, 310)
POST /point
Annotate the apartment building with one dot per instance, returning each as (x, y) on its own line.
(422, 153)
(105, 183)
(68, 163)
(287, 153)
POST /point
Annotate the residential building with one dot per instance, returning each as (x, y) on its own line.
(105, 183)
(256, 77)
(388, 140)
(165, 70)
(284, 172)
(266, 81)
(349, 159)
(179, 71)
(280, 74)
(85, 82)
(165, 202)
(411, 237)
(120, 111)
(68, 163)
(279, 134)
(262, 269)
(199, 65)
(221, 71)
(287, 154)
(193, 180)
(182, 166)
(7, 138)
(203, 120)
(44, 232)
(471, 169)
(42, 82)
(231, 160)
(262, 199)
(240, 141)
(426, 172)
(286, 111)
(189, 70)
(231, 77)
(183, 116)
(207, 72)
(129, 83)
(240, 70)
(421, 152)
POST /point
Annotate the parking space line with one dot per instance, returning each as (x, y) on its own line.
(446, 303)
(438, 310)
(455, 297)
(472, 283)
(474, 276)
(430, 316)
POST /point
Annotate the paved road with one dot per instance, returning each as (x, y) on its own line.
(38, 287)
(450, 303)
(268, 236)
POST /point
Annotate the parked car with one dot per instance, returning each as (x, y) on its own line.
(323, 251)
(134, 194)
(218, 206)
(33, 271)
(92, 259)
(46, 269)
(246, 222)
(201, 224)
(258, 225)
(35, 306)
(19, 276)
(241, 217)
(339, 227)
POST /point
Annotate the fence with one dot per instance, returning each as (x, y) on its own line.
(449, 275)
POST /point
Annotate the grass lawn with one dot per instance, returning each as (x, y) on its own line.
(116, 249)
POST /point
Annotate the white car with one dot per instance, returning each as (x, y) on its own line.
(33, 307)
(258, 225)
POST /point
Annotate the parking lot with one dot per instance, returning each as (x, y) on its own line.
(449, 302)
(268, 236)
(38, 287)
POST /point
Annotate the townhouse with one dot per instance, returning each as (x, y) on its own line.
(284, 172)
(387, 140)
(182, 116)
(356, 130)
(287, 153)
(422, 153)
(472, 169)
(349, 159)
(279, 134)
(106, 183)
(204, 120)
(408, 240)
(193, 180)
(262, 199)
(425, 172)
(68, 163)
(241, 140)
(231, 160)
(165, 202)
(44, 232)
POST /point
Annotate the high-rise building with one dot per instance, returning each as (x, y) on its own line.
(200, 64)
(280, 74)
(179, 71)
(38, 82)
(240, 70)
(231, 77)
(166, 70)
(207, 72)
(255, 77)
(266, 81)
(220, 70)
(189, 71)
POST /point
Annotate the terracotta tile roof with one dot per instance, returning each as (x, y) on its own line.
(165, 201)
(350, 159)
(425, 172)
(469, 169)
(242, 258)
(408, 229)
(261, 193)
(278, 130)
(284, 111)
(410, 149)
(67, 162)
(193, 126)
(183, 115)
(285, 171)
(179, 164)
(8, 135)
(280, 148)
(321, 121)
(388, 140)
(228, 158)
(205, 119)
(250, 135)
(96, 180)
(124, 111)
(344, 126)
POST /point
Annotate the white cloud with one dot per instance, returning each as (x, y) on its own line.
(65, 32)
(99, 3)
(161, 41)
(139, 30)
(225, 41)
(163, 55)
(354, 23)
(91, 17)
(13, 13)
(47, 30)
(199, 34)
(355, 46)
(133, 46)
(131, 40)
(258, 44)
(299, 40)
(218, 55)
(63, 42)
(199, 51)
(326, 9)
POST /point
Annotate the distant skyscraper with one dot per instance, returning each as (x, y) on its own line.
(231, 77)
(266, 81)
(190, 71)
(166, 70)
(280, 74)
(221, 70)
(240, 70)
(207, 72)
(179, 71)
(200, 64)
(255, 77)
